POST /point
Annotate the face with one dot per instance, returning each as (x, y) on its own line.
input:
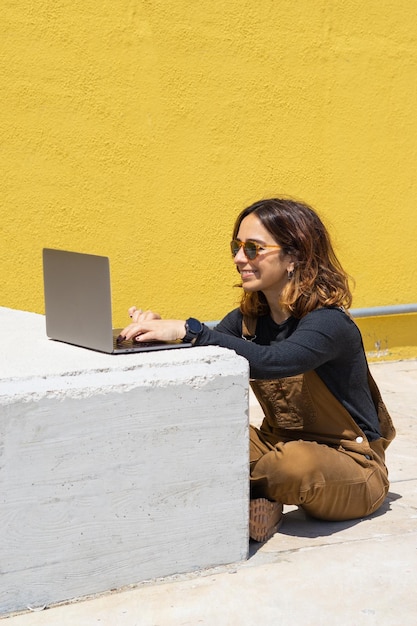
(268, 272)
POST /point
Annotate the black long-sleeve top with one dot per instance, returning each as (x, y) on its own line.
(325, 340)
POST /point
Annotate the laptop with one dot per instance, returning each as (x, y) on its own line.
(78, 304)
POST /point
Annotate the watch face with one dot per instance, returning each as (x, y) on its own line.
(194, 326)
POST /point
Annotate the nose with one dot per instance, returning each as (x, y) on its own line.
(240, 257)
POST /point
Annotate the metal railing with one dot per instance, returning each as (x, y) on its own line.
(373, 311)
(376, 311)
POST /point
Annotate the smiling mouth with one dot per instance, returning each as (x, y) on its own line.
(247, 273)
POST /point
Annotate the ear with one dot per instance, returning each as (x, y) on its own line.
(291, 264)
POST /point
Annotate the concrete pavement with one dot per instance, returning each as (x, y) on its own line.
(311, 573)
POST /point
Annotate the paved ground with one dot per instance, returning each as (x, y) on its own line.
(311, 573)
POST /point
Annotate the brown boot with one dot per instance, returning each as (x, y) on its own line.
(265, 518)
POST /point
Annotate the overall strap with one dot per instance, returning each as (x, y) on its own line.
(387, 427)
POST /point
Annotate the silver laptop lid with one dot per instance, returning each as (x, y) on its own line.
(78, 299)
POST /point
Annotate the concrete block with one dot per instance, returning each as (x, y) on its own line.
(115, 469)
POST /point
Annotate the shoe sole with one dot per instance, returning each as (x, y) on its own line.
(265, 518)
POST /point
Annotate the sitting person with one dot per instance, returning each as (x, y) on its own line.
(322, 441)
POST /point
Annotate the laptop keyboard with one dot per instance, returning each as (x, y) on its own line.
(131, 344)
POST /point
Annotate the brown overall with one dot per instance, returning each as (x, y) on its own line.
(310, 452)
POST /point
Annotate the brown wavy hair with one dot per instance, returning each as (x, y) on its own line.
(319, 279)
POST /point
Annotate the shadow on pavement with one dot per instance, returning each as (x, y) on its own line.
(297, 523)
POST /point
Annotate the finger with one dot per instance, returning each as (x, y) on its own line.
(146, 336)
(149, 315)
(137, 315)
(128, 332)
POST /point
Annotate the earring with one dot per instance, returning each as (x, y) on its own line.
(290, 274)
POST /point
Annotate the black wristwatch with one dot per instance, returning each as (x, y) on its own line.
(193, 328)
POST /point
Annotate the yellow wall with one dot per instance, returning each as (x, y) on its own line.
(138, 129)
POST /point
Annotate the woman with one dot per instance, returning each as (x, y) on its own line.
(322, 441)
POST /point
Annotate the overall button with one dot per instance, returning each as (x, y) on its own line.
(359, 439)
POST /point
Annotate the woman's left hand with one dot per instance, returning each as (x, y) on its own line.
(148, 328)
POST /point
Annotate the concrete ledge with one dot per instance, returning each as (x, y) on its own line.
(116, 469)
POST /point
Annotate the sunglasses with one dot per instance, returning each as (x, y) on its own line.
(250, 248)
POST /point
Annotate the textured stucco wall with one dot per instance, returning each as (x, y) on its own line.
(137, 129)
